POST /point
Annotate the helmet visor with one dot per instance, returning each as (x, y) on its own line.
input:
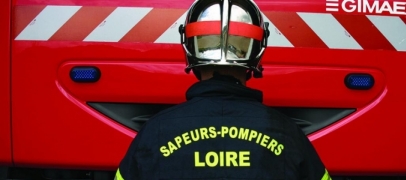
(209, 47)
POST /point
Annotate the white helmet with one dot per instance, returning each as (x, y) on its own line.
(224, 32)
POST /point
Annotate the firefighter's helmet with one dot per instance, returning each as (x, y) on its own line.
(224, 32)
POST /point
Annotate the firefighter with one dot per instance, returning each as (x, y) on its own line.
(222, 131)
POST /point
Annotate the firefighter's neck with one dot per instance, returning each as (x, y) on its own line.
(237, 72)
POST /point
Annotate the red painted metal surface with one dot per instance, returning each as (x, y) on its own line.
(367, 142)
(298, 86)
(5, 139)
(53, 126)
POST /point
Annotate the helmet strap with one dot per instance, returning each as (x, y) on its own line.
(197, 74)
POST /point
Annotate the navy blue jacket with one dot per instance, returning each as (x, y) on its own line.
(223, 131)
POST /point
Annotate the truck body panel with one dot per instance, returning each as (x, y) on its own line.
(5, 119)
(135, 44)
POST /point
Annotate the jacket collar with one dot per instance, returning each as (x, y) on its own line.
(221, 85)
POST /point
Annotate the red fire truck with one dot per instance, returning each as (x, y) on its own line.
(78, 78)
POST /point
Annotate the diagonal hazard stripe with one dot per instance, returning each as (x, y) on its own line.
(23, 16)
(171, 35)
(47, 22)
(393, 28)
(117, 24)
(403, 18)
(276, 38)
(295, 29)
(362, 29)
(155, 23)
(331, 32)
(82, 23)
(160, 25)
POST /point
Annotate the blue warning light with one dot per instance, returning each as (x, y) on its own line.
(359, 81)
(85, 74)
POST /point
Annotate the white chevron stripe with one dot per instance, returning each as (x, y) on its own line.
(117, 24)
(330, 31)
(276, 38)
(47, 22)
(122, 19)
(393, 28)
(171, 35)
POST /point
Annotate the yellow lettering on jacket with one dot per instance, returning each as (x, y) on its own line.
(223, 159)
(238, 133)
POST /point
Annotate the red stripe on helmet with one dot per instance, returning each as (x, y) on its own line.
(213, 28)
(246, 30)
(364, 32)
(202, 28)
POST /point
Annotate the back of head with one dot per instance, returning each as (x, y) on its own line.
(224, 33)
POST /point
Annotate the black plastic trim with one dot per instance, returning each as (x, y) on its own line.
(135, 115)
(131, 115)
(313, 119)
